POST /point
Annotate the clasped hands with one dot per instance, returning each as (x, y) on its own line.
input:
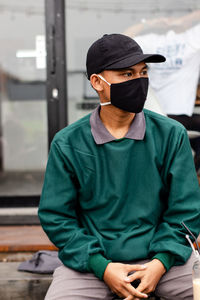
(117, 277)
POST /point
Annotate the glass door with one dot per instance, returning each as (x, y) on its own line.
(23, 108)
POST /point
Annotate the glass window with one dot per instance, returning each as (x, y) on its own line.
(88, 20)
(23, 117)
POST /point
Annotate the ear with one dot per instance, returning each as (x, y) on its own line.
(96, 82)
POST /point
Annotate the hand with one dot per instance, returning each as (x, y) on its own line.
(149, 277)
(114, 277)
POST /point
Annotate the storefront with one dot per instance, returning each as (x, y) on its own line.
(30, 113)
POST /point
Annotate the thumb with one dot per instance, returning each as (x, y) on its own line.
(132, 268)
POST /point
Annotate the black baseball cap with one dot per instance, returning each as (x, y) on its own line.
(116, 51)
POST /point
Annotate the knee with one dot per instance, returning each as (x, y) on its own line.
(179, 289)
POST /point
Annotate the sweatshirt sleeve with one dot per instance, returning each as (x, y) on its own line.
(183, 204)
(58, 213)
(166, 259)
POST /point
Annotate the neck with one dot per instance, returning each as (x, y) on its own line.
(116, 121)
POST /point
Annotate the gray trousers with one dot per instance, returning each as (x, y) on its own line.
(68, 284)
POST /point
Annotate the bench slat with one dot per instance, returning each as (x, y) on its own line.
(24, 239)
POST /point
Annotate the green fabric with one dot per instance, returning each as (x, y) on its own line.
(124, 199)
(166, 259)
(97, 264)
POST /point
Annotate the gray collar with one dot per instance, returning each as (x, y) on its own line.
(101, 135)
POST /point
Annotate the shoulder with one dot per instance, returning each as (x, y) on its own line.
(73, 131)
(163, 124)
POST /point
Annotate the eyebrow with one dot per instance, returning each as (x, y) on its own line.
(131, 69)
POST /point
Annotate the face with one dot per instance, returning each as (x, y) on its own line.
(117, 76)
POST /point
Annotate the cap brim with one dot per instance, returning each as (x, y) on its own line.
(135, 59)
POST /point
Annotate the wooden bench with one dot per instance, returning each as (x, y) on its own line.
(19, 243)
(24, 239)
(23, 285)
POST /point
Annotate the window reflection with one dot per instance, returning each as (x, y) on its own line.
(23, 120)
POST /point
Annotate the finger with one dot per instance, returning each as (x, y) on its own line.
(129, 298)
(132, 277)
(124, 293)
(144, 289)
(135, 292)
(131, 268)
(141, 287)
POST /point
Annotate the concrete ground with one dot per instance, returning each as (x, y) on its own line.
(21, 285)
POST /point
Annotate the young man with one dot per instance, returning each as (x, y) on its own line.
(118, 184)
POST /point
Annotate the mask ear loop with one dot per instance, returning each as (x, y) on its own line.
(104, 103)
(100, 76)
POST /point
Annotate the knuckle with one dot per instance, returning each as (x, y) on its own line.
(152, 289)
(120, 295)
(149, 289)
(123, 286)
(120, 289)
(145, 287)
(126, 267)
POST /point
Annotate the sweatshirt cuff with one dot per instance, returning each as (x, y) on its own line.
(166, 259)
(97, 264)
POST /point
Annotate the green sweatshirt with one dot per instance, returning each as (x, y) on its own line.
(121, 201)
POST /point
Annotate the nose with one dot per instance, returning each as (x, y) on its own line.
(138, 75)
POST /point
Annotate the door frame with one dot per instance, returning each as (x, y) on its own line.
(56, 86)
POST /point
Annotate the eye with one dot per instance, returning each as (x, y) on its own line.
(127, 74)
(144, 72)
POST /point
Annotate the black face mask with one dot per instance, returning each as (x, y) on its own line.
(128, 95)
